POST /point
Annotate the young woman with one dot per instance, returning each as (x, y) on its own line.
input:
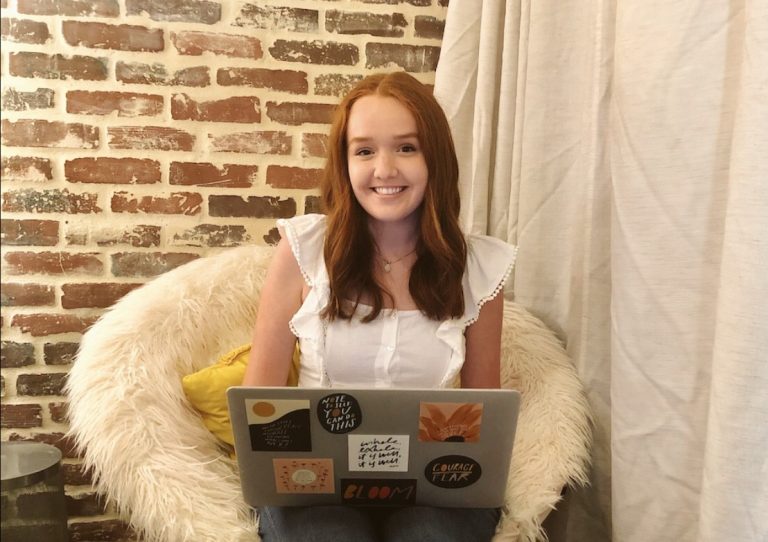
(383, 291)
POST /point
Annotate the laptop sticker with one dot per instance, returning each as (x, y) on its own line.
(279, 425)
(384, 453)
(453, 471)
(339, 413)
(378, 492)
(450, 422)
(303, 475)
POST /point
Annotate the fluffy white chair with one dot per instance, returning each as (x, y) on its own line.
(168, 475)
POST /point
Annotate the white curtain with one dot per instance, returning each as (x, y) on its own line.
(624, 147)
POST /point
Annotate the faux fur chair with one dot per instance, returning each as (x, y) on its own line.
(168, 475)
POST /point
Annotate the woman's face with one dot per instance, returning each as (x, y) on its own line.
(387, 168)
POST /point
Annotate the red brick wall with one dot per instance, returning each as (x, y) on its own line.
(138, 135)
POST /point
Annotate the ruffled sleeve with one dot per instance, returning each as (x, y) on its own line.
(489, 263)
(305, 235)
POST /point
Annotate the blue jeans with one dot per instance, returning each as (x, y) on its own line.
(351, 524)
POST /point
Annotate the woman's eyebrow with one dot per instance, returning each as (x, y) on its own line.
(362, 139)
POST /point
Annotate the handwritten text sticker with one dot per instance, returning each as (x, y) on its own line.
(387, 453)
(303, 475)
(339, 413)
(453, 471)
(279, 425)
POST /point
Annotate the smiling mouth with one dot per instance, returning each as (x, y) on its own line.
(388, 190)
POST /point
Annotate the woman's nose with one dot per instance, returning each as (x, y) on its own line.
(385, 166)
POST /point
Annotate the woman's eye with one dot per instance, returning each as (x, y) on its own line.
(363, 152)
(408, 148)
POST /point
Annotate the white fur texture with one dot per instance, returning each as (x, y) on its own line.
(166, 473)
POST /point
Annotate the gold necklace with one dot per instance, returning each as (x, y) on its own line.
(388, 263)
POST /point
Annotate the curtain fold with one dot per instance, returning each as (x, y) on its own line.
(624, 148)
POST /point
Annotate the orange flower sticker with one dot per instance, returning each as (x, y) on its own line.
(450, 422)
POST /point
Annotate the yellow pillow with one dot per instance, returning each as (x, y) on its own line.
(206, 389)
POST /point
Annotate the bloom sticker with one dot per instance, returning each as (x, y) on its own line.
(378, 453)
(453, 471)
(279, 425)
(303, 475)
(378, 492)
(450, 422)
(339, 413)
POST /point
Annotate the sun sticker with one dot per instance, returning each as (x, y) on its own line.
(450, 422)
(303, 475)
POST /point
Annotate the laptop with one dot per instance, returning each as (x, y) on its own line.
(374, 446)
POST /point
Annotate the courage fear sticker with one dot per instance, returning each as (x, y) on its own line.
(453, 471)
(339, 413)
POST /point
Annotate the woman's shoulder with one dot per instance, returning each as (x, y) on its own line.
(490, 262)
(306, 236)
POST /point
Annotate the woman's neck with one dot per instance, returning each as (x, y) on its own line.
(394, 239)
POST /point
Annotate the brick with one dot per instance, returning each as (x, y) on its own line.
(421, 3)
(26, 168)
(190, 11)
(205, 174)
(41, 325)
(94, 295)
(16, 100)
(61, 353)
(21, 416)
(76, 234)
(212, 235)
(197, 43)
(71, 8)
(252, 142)
(50, 201)
(314, 145)
(112, 171)
(372, 24)
(29, 232)
(53, 263)
(155, 138)
(122, 37)
(429, 27)
(87, 504)
(177, 203)
(148, 264)
(244, 109)
(293, 177)
(282, 80)
(294, 114)
(272, 237)
(13, 354)
(275, 18)
(58, 412)
(412, 58)
(76, 474)
(103, 529)
(335, 84)
(313, 204)
(125, 104)
(251, 207)
(24, 31)
(136, 236)
(64, 443)
(42, 133)
(31, 531)
(38, 385)
(29, 295)
(315, 52)
(158, 74)
(43, 66)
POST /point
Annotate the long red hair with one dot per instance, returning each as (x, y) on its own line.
(436, 277)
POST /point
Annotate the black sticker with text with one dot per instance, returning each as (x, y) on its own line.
(339, 413)
(453, 471)
(378, 491)
(279, 425)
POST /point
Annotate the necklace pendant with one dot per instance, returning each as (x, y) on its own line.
(387, 267)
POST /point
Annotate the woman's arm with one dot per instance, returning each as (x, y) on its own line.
(273, 341)
(482, 365)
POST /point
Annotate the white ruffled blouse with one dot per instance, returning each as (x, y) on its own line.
(400, 348)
